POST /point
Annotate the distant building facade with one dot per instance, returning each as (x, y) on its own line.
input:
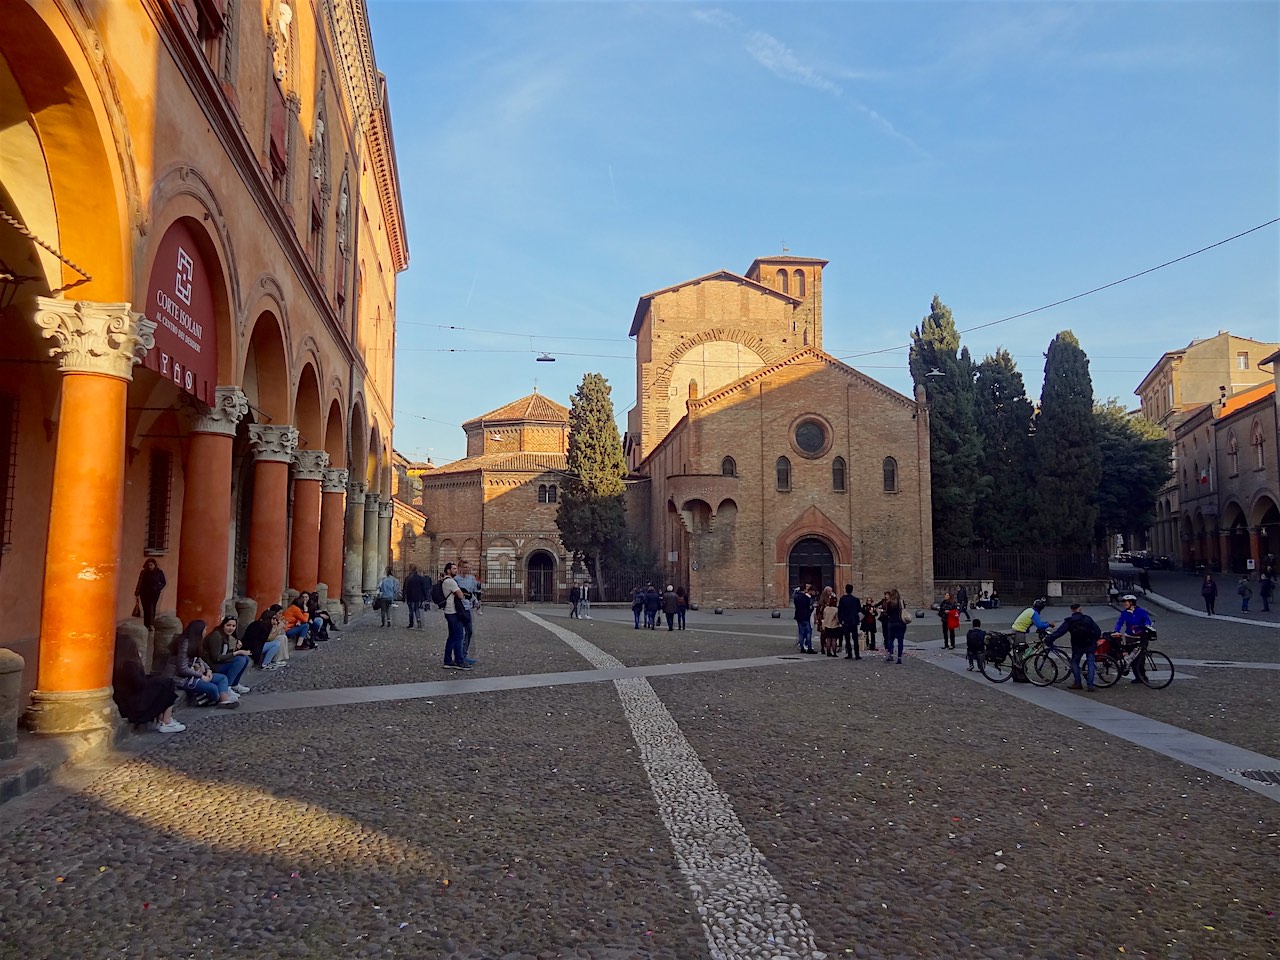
(763, 461)
(1206, 371)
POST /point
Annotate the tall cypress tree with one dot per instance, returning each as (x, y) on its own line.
(1068, 462)
(591, 515)
(1136, 453)
(955, 446)
(1004, 416)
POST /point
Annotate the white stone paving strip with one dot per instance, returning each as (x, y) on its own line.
(743, 909)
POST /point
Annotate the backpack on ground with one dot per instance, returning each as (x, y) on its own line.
(437, 594)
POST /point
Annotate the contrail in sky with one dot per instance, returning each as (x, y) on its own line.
(472, 290)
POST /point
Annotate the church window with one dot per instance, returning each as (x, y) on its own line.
(551, 493)
(542, 493)
(693, 389)
(1259, 456)
(890, 468)
(159, 487)
(784, 282)
(784, 474)
(811, 437)
(799, 283)
(837, 475)
(1233, 454)
(8, 463)
(728, 468)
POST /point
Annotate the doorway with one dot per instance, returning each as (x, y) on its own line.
(812, 562)
(540, 585)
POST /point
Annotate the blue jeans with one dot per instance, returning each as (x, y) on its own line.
(270, 649)
(213, 689)
(298, 630)
(894, 630)
(415, 612)
(453, 655)
(804, 631)
(468, 630)
(1091, 664)
(233, 669)
(680, 618)
(635, 612)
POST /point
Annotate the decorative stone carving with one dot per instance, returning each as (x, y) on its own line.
(92, 337)
(386, 509)
(274, 443)
(230, 407)
(334, 480)
(310, 464)
(355, 491)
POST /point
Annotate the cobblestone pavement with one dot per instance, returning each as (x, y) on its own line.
(901, 811)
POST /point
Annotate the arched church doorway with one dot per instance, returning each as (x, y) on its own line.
(540, 585)
(812, 562)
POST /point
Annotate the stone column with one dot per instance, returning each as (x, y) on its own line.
(1255, 547)
(333, 484)
(1224, 550)
(273, 448)
(353, 557)
(205, 540)
(386, 510)
(371, 574)
(304, 544)
(97, 345)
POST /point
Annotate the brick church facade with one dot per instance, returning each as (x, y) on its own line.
(766, 461)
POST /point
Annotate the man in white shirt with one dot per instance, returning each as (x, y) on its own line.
(454, 612)
(469, 586)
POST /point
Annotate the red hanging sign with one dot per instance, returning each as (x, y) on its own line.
(180, 301)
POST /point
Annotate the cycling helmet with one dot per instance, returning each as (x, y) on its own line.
(1040, 604)
(1129, 596)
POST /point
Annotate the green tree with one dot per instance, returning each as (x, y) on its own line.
(955, 446)
(1067, 460)
(1004, 416)
(592, 515)
(1135, 459)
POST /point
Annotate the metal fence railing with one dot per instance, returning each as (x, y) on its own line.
(1016, 572)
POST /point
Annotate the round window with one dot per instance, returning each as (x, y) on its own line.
(811, 437)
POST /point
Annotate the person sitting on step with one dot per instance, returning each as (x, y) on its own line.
(193, 675)
(222, 651)
(142, 699)
(297, 623)
(262, 638)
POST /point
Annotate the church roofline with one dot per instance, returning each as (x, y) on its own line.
(787, 258)
(808, 352)
(717, 275)
(522, 411)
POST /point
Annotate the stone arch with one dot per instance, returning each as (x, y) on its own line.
(85, 192)
(265, 377)
(768, 352)
(307, 415)
(373, 461)
(335, 443)
(358, 437)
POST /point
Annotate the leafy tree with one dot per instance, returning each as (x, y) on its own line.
(955, 446)
(1067, 459)
(1004, 416)
(1135, 457)
(592, 515)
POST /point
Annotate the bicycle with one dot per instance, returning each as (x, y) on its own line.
(1157, 668)
(1005, 654)
(1106, 669)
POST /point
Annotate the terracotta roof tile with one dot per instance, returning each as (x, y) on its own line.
(534, 407)
(502, 463)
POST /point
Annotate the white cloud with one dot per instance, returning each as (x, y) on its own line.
(775, 56)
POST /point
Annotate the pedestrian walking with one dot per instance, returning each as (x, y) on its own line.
(151, 583)
(470, 588)
(652, 604)
(416, 593)
(1266, 589)
(896, 619)
(849, 612)
(949, 615)
(802, 600)
(388, 587)
(575, 598)
(670, 606)
(962, 601)
(637, 604)
(584, 605)
(975, 642)
(1209, 592)
(682, 606)
(1246, 593)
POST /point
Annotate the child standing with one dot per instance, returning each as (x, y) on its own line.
(869, 624)
(975, 639)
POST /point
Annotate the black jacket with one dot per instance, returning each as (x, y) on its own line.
(416, 588)
(1082, 627)
(849, 610)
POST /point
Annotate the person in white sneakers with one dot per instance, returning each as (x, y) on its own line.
(142, 699)
(224, 654)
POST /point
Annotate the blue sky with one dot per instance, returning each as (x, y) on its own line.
(560, 160)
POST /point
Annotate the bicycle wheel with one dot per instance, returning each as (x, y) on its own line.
(1108, 671)
(1062, 662)
(995, 671)
(1042, 669)
(1157, 670)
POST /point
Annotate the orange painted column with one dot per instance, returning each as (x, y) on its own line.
(205, 542)
(1224, 550)
(97, 345)
(273, 448)
(304, 544)
(332, 517)
(1255, 546)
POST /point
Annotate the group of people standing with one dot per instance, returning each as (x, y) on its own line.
(647, 601)
(841, 621)
(1244, 590)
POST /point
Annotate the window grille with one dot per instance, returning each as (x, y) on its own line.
(160, 489)
(9, 457)
(890, 475)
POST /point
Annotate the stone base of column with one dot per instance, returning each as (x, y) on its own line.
(74, 711)
(10, 701)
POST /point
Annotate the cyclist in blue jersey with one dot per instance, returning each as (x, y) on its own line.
(1132, 623)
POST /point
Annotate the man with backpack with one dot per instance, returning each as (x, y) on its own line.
(447, 595)
(1085, 633)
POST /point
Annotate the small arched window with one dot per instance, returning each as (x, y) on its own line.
(693, 389)
(1233, 454)
(551, 493)
(728, 467)
(837, 475)
(890, 475)
(784, 281)
(542, 493)
(799, 283)
(1259, 455)
(784, 474)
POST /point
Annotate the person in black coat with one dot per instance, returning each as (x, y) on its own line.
(257, 637)
(416, 592)
(652, 604)
(141, 698)
(849, 612)
(151, 583)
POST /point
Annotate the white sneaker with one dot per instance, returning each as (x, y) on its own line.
(173, 726)
(232, 696)
(241, 688)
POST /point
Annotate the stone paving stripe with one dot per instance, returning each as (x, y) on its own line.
(1177, 607)
(339, 696)
(1213, 756)
(743, 909)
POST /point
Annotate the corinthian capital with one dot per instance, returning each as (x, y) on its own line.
(229, 408)
(334, 480)
(91, 337)
(355, 491)
(386, 509)
(273, 443)
(310, 464)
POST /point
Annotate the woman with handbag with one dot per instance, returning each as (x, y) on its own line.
(192, 674)
(949, 614)
(151, 584)
(896, 618)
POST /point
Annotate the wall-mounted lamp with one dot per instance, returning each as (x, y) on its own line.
(10, 282)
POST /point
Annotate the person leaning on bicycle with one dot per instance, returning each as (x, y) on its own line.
(1130, 627)
(1085, 634)
(1030, 619)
